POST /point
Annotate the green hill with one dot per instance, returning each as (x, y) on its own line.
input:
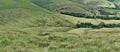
(25, 13)
(31, 13)
(98, 3)
(45, 26)
(116, 2)
(65, 6)
(40, 12)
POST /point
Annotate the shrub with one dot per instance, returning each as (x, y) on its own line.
(101, 25)
(83, 15)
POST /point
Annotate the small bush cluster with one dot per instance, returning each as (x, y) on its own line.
(83, 15)
(101, 25)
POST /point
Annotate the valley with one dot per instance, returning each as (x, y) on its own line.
(59, 26)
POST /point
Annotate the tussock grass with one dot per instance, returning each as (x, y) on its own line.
(81, 42)
(22, 23)
(62, 39)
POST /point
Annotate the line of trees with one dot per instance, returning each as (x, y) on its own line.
(83, 15)
(101, 25)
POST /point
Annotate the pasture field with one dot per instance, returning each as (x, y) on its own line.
(60, 39)
(40, 26)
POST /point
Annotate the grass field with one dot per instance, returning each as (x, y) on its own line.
(38, 26)
(86, 40)
(60, 39)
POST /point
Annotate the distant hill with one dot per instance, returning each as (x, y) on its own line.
(59, 25)
(34, 13)
(24, 13)
(65, 6)
(97, 3)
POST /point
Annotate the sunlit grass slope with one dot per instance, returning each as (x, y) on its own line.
(28, 13)
(23, 23)
(23, 13)
(67, 40)
(97, 3)
(65, 6)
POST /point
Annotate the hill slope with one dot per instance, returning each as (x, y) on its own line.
(38, 26)
(28, 13)
(65, 6)
(25, 13)
(98, 3)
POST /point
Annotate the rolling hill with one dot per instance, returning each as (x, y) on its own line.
(65, 6)
(25, 13)
(30, 13)
(45, 26)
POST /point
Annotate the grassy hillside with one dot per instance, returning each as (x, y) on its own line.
(83, 39)
(98, 3)
(65, 6)
(86, 40)
(116, 2)
(23, 13)
(38, 26)
(30, 14)
(89, 7)
(47, 4)
(31, 18)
